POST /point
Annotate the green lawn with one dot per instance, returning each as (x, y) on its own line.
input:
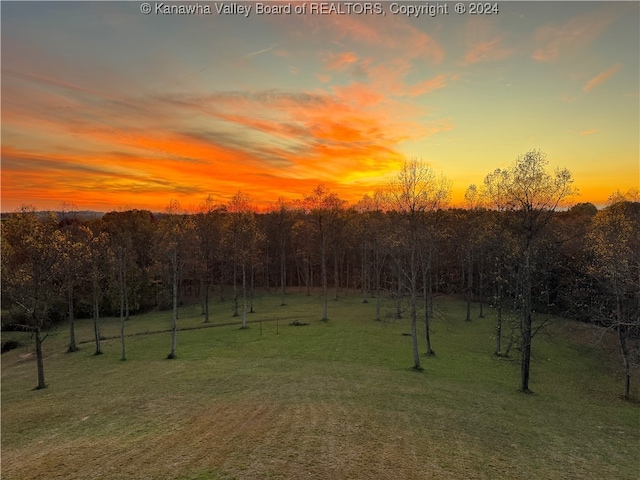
(331, 400)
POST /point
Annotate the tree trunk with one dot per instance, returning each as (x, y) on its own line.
(126, 296)
(430, 281)
(202, 297)
(122, 310)
(336, 277)
(251, 288)
(283, 274)
(244, 296)
(122, 339)
(251, 291)
(96, 317)
(624, 349)
(265, 271)
(399, 294)
(481, 315)
(221, 279)
(469, 286)
(525, 359)
(414, 309)
(72, 331)
(324, 281)
(206, 302)
(425, 294)
(414, 325)
(174, 317)
(39, 359)
(377, 273)
(364, 273)
(347, 277)
(235, 291)
(498, 351)
(298, 271)
(526, 354)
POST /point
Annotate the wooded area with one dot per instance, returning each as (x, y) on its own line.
(514, 246)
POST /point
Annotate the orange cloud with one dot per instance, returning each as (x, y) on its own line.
(265, 143)
(359, 93)
(602, 77)
(589, 132)
(340, 61)
(427, 86)
(391, 78)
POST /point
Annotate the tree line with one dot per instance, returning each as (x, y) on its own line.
(513, 246)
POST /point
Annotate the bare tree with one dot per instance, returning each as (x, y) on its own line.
(121, 243)
(244, 236)
(415, 191)
(282, 217)
(528, 196)
(208, 224)
(372, 223)
(322, 209)
(175, 228)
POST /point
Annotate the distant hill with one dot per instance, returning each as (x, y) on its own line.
(84, 214)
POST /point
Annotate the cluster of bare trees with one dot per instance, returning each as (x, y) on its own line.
(512, 247)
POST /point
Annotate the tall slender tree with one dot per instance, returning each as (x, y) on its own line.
(415, 191)
(100, 263)
(73, 267)
(208, 225)
(120, 232)
(614, 242)
(528, 196)
(322, 212)
(175, 230)
(372, 224)
(244, 236)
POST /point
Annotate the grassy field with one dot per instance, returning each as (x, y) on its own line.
(330, 400)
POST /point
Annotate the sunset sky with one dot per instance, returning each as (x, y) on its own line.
(107, 108)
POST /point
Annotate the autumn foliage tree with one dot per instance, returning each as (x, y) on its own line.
(31, 252)
(100, 263)
(73, 268)
(614, 242)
